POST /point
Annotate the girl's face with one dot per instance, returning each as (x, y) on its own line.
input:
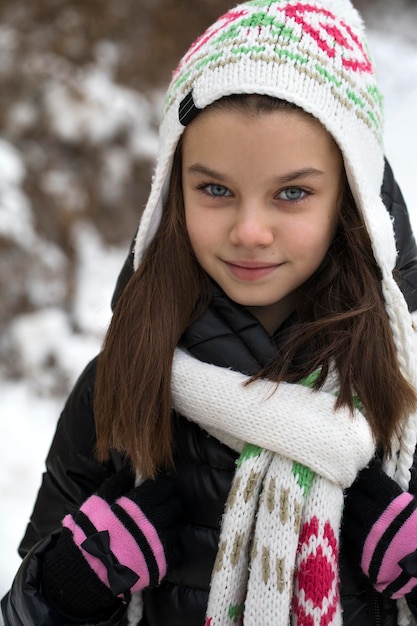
(261, 196)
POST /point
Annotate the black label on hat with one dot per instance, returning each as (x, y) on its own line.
(187, 110)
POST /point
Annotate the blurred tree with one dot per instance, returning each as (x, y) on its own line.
(79, 97)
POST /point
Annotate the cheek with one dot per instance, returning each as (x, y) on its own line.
(313, 240)
(192, 223)
(199, 233)
(205, 228)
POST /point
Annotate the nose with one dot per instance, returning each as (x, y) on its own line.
(251, 227)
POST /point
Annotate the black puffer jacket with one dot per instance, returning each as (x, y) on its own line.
(204, 469)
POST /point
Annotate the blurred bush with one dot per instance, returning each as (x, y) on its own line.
(79, 102)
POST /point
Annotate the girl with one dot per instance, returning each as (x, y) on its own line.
(261, 353)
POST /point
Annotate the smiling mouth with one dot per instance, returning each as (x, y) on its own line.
(251, 271)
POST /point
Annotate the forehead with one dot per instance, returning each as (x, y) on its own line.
(223, 132)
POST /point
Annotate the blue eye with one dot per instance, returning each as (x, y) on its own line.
(217, 191)
(292, 194)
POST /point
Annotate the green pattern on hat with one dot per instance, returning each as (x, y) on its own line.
(306, 38)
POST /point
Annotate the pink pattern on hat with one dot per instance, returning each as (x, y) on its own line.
(300, 12)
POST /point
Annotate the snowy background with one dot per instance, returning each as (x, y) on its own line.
(50, 344)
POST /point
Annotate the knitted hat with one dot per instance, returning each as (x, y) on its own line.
(314, 54)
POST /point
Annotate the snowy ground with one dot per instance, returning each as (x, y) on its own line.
(28, 415)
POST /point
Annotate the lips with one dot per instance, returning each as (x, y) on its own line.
(250, 270)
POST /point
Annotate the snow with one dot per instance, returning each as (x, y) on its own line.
(51, 339)
(27, 423)
(97, 265)
(16, 217)
(399, 86)
(97, 109)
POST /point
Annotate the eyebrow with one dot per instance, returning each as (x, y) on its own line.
(206, 171)
(306, 172)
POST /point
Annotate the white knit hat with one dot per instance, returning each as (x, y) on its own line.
(314, 54)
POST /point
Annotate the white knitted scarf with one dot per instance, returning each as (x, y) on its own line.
(302, 430)
(277, 560)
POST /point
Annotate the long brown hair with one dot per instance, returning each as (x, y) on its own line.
(340, 320)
